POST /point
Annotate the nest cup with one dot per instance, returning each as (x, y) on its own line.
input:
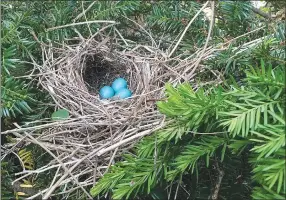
(99, 73)
(80, 76)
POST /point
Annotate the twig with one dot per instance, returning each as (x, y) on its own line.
(72, 168)
(177, 189)
(187, 27)
(163, 99)
(86, 18)
(36, 38)
(23, 165)
(144, 133)
(218, 182)
(121, 36)
(80, 23)
(11, 149)
(62, 165)
(83, 13)
(241, 36)
(55, 177)
(207, 41)
(153, 41)
(52, 124)
(43, 169)
(214, 133)
(263, 14)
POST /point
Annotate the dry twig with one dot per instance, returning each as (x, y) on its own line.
(218, 182)
(187, 27)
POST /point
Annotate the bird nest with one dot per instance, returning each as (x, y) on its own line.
(98, 131)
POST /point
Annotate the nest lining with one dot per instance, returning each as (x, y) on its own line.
(99, 72)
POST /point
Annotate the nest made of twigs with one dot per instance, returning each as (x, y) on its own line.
(86, 144)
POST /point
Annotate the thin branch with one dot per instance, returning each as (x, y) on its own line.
(263, 14)
(62, 165)
(187, 27)
(83, 13)
(80, 23)
(52, 124)
(214, 133)
(144, 133)
(218, 182)
(90, 32)
(207, 41)
(153, 41)
(121, 36)
(245, 34)
(22, 163)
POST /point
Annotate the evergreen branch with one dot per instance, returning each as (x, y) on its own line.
(252, 102)
(239, 145)
(188, 158)
(8, 61)
(10, 28)
(194, 110)
(270, 171)
(264, 193)
(271, 139)
(109, 181)
(13, 98)
(246, 117)
(266, 76)
(130, 177)
(174, 132)
(184, 104)
(115, 9)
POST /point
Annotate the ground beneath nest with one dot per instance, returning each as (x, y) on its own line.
(99, 72)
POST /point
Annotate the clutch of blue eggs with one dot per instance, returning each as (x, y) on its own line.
(118, 89)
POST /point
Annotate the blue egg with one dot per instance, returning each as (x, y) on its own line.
(106, 92)
(123, 93)
(118, 84)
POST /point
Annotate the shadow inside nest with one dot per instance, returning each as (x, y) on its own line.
(99, 72)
